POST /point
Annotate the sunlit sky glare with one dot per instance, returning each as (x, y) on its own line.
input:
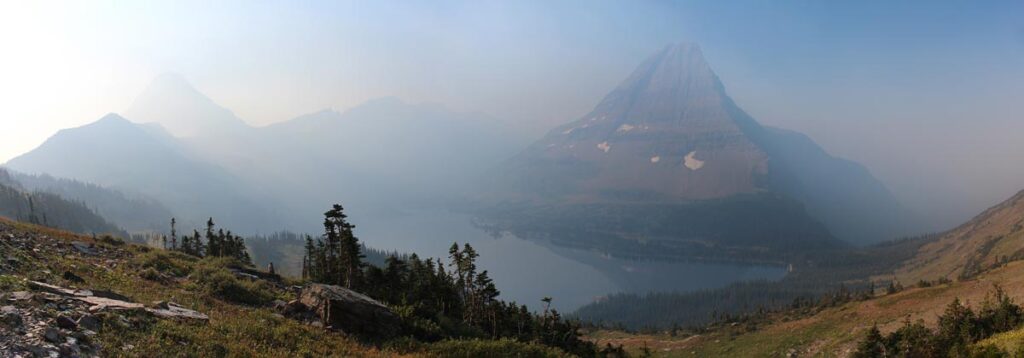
(940, 82)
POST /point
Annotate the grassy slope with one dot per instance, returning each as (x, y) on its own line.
(831, 332)
(977, 245)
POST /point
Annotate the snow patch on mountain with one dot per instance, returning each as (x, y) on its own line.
(691, 162)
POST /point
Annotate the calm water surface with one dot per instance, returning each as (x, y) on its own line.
(526, 271)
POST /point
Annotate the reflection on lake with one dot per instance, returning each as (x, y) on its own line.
(526, 271)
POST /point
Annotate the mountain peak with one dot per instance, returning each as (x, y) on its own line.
(172, 81)
(674, 85)
(171, 101)
(111, 122)
(112, 118)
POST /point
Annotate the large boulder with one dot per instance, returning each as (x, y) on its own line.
(350, 311)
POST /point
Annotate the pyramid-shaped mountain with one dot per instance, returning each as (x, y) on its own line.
(669, 134)
(669, 131)
(171, 101)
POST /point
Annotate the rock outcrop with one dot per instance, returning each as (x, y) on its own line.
(346, 310)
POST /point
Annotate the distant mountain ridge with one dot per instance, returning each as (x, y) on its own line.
(670, 134)
(136, 158)
(200, 160)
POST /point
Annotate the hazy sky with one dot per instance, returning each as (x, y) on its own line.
(920, 92)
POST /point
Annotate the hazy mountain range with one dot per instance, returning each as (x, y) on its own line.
(199, 160)
(667, 150)
(145, 159)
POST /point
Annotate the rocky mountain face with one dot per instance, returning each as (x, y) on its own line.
(670, 134)
(989, 240)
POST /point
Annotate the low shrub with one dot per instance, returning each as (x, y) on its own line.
(212, 277)
(492, 348)
(167, 262)
(110, 240)
(10, 283)
(151, 274)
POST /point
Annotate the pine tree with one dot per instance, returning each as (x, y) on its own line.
(344, 252)
(186, 245)
(212, 240)
(306, 260)
(872, 346)
(174, 235)
(198, 247)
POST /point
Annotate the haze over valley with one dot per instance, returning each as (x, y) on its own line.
(520, 178)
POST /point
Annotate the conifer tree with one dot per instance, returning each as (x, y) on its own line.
(212, 241)
(174, 235)
(343, 249)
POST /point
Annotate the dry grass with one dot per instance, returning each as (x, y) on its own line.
(831, 332)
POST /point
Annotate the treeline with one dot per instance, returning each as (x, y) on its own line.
(959, 328)
(816, 278)
(50, 210)
(285, 250)
(436, 300)
(133, 213)
(214, 243)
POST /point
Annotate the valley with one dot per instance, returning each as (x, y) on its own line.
(511, 179)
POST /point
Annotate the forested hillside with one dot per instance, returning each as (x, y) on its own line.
(811, 280)
(51, 210)
(131, 212)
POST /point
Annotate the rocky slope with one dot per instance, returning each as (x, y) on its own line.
(68, 295)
